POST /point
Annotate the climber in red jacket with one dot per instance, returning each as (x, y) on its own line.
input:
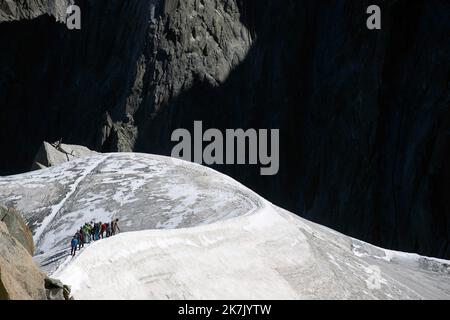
(102, 230)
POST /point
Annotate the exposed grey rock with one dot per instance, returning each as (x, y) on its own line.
(66, 292)
(194, 42)
(55, 290)
(11, 10)
(123, 137)
(53, 284)
(55, 294)
(17, 227)
(20, 278)
(52, 154)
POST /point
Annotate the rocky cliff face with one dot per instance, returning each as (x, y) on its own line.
(363, 115)
(17, 227)
(13, 10)
(20, 278)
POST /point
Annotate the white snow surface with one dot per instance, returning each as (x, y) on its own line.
(193, 233)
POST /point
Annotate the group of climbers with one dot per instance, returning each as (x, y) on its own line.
(93, 231)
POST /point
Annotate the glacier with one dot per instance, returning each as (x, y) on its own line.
(189, 232)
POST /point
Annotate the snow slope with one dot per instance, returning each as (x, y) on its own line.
(143, 191)
(195, 233)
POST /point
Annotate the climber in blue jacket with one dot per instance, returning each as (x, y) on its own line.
(74, 244)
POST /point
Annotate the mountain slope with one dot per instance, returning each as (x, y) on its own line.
(363, 115)
(270, 254)
(143, 191)
(195, 233)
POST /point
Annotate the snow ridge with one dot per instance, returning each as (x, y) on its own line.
(56, 208)
(192, 232)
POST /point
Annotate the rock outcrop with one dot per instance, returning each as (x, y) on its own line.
(20, 278)
(12, 10)
(363, 115)
(17, 227)
(56, 290)
(52, 154)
